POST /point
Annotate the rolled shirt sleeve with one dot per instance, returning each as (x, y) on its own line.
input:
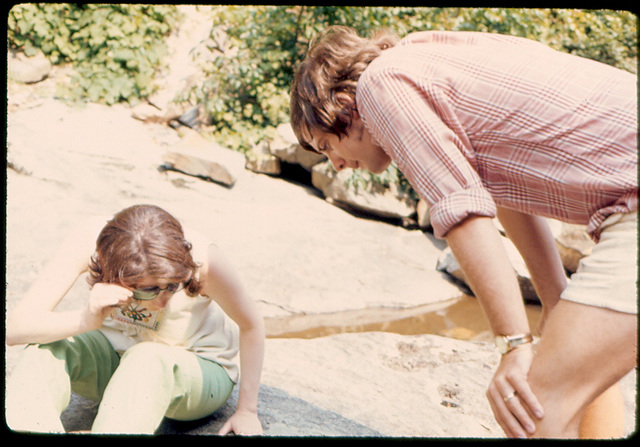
(477, 120)
(428, 145)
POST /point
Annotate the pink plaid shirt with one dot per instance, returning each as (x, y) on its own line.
(476, 120)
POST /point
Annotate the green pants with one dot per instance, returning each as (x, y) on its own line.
(135, 392)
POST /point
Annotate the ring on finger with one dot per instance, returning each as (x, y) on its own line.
(510, 396)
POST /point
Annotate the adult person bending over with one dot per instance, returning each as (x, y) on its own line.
(484, 125)
(155, 338)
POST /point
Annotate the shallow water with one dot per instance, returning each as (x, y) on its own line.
(461, 318)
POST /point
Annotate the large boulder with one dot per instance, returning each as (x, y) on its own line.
(259, 159)
(573, 243)
(285, 147)
(373, 198)
(337, 187)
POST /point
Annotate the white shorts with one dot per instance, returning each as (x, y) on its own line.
(608, 276)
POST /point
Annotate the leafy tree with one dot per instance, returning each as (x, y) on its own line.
(115, 49)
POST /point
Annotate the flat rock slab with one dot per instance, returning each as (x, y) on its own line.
(400, 385)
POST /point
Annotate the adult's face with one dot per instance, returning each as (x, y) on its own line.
(356, 150)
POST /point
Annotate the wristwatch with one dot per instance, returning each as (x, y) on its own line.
(506, 343)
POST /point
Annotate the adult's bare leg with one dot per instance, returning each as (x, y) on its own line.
(604, 417)
(584, 350)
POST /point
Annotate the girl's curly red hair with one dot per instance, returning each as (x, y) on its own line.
(142, 241)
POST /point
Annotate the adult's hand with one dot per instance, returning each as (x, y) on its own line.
(513, 403)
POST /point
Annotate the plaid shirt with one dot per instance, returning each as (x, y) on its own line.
(476, 120)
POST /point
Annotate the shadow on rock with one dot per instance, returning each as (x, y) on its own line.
(280, 413)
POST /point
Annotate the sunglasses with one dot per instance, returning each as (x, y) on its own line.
(151, 293)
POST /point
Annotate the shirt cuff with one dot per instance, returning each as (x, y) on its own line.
(456, 207)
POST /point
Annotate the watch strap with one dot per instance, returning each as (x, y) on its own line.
(507, 343)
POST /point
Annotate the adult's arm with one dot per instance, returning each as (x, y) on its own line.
(476, 244)
(533, 239)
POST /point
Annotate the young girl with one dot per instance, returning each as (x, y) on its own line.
(154, 340)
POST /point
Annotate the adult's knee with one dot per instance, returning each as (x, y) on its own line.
(562, 409)
(583, 351)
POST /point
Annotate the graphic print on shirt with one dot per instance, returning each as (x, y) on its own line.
(136, 314)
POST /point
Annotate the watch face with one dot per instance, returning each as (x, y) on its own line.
(502, 344)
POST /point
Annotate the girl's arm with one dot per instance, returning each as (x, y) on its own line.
(34, 319)
(222, 284)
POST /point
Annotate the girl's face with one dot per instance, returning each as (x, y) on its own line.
(356, 150)
(155, 293)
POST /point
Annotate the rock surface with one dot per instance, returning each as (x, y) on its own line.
(298, 256)
(198, 167)
(424, 385)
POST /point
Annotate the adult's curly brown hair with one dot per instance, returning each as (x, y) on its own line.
(142, 241)
(324, 86)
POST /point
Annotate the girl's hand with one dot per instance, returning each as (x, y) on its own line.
(243, 422)
(103, 299)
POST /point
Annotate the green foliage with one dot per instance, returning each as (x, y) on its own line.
(248, 81)
(246, 93)
(115, 49)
